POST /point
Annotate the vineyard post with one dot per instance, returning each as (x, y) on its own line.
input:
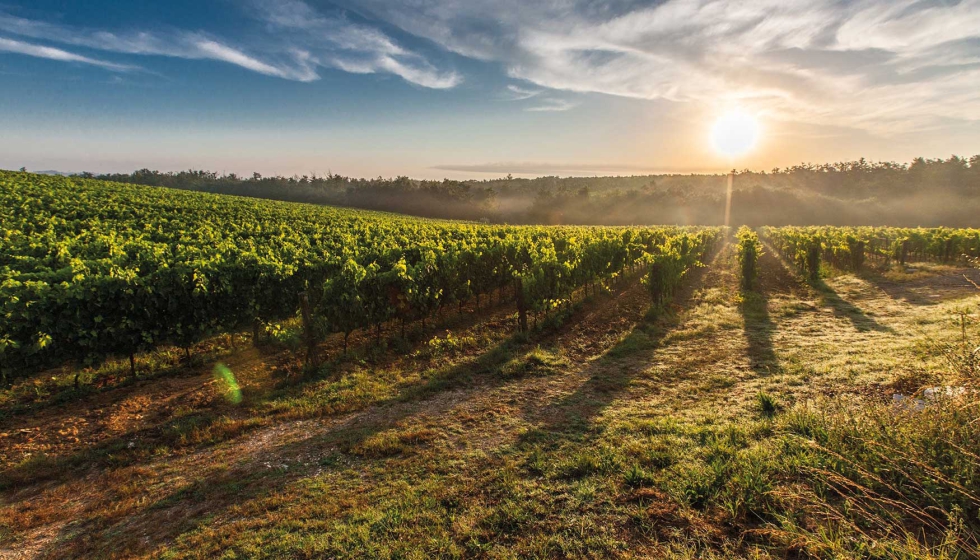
(308, 334)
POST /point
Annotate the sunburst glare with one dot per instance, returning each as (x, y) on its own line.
(735, 133)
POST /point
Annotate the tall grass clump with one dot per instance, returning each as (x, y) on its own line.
(749, 251)
(887, 482)
(766, 404)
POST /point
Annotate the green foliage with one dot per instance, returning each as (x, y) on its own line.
(849, 248)
(672, 258)
(749, 250)
(91, 269)
(449, 345)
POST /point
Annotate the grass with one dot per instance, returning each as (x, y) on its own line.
(733, 425)
(768, 406)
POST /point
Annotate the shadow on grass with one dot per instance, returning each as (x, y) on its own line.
(267, 470)
(115, 380)
(610, 375)
(776, 277)
(930, 289)
(843, 308)
(255, 474)
(758, 333)
(775, 280)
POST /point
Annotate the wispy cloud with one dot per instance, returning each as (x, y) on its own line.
(552, 104)
(540, 103)
(517, 93)
(879, 65)
(302, 71)
(51, 53)
(350, 46)
(174, 44)
(299, 42)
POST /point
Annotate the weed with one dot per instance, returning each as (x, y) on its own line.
(766, 404)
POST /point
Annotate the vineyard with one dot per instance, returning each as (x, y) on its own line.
(438, 389)
(91, 270)
(848, 248)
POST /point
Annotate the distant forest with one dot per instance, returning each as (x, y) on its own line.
(925, 192)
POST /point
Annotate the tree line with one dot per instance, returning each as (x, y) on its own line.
(924, 192)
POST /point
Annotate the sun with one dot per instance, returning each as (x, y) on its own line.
(735, 133)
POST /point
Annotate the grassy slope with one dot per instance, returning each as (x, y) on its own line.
(599, 437)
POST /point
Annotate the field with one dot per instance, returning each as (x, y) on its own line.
(469, 391)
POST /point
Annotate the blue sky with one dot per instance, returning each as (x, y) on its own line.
(435, 88)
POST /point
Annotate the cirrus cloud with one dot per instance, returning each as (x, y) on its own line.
(299, 42)
(879, 65)
(51, 53)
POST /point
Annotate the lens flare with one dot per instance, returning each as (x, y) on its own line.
(735, 133)
(229, 385)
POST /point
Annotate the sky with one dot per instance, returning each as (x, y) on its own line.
(478, 89)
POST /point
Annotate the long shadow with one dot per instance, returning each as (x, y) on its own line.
(252, 478)
(929, 290)
(782, 279)
(259, 474)
(758, 332)
(774, 279)
(843, 308)
(120, 452)
(483, 372)
(573, 415)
